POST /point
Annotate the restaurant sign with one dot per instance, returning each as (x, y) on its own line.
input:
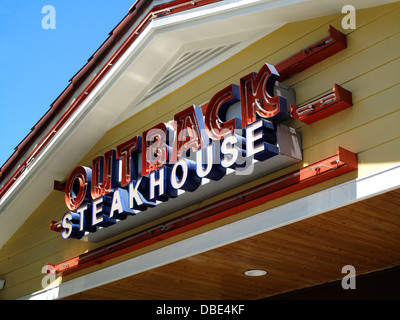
(204, 150)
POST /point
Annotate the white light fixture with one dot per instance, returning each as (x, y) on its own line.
(2, 283)
(255, 273)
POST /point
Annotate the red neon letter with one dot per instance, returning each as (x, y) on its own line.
(127, 152)
(256, 92)
(77, 188)
(190, 133)
(105, 174)
(155, 148)
(215, 117)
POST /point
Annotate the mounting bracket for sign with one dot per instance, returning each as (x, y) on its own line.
(59, 185)
(339, 99)
(305, 58)
(343, 162)
(56, 226)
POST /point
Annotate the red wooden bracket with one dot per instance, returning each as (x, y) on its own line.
(328, 46)
(323, 107)
(342, 162)
(56, 226)
(59, 185)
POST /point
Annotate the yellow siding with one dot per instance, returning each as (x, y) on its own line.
(369, 67)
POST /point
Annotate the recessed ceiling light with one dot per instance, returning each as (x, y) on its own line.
(255, 273)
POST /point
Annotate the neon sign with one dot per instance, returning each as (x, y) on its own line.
(177, 156)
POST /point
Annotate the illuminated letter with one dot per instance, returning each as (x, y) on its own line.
(70, 224)
(97, 176)
(212, 168)
(189, 131)
(215, 117)
(81, 212)
(67, 225)
(183, 175)
(263, 132)
(119, 204)
(232, 153)
(256, 92)
(128, 152)
(100, 211)
(77, 189)
(105, 174)
(160, 179)
(136, 200)
(157, 182)
(155, 148)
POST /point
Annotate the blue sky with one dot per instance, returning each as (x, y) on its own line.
(36, 63)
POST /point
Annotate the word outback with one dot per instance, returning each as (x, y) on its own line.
(200, 142)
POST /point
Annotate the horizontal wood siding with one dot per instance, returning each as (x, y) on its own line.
(369, 68)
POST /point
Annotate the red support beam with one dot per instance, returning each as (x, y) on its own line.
(56, 226)
(342, 162)
(338, 100)
(59, 185)
(328, 46)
